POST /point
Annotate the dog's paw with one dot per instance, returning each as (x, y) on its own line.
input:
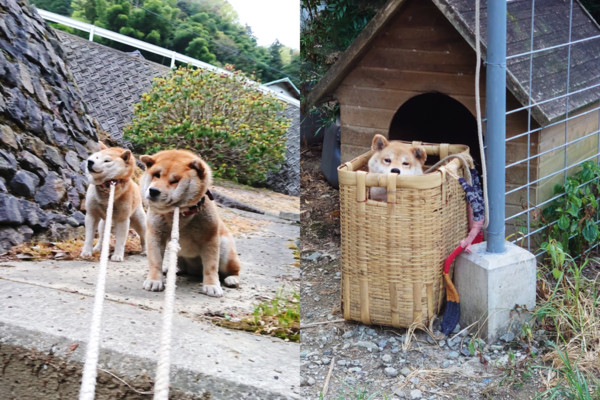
(212, 290)
(117, 257)
(232, 281)
(154, 286)
(85, 253)
(143, 252)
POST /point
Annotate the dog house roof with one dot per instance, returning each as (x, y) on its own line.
(549, 62)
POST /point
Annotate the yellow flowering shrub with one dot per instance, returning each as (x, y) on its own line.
(224, 117)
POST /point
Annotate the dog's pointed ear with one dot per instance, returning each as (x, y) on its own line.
(126, 155)
(379, 142)
(102, 146)
(420, 154)
(147, 160)
(199, 166)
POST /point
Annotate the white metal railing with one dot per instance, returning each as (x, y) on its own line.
(161, 51)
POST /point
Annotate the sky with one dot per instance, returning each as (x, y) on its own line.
(270, 20)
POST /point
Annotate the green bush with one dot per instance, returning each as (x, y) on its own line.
(238, 129)
(573, 215)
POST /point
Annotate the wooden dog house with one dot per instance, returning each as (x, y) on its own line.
(410, 75)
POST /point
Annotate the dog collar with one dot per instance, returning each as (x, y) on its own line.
(108, 183)
(195, 208)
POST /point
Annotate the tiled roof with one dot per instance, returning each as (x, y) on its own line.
(110, 80)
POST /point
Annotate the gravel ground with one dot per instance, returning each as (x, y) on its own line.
(347, 360)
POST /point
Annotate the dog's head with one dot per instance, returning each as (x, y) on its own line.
(110, 163)
(174, 178)
(396, 157)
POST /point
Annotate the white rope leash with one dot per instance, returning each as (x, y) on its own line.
(88, 380)
(478, 112)
(161, 384)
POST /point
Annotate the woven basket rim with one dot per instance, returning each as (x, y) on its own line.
(348, 172)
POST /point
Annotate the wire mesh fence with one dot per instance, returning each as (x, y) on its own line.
(553, 55)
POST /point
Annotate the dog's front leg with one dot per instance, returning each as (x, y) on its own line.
(121, 231)
(90, 229)
(98, 246)
(156, 244)
(210, 268)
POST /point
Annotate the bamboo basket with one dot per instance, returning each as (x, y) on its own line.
(392, 253)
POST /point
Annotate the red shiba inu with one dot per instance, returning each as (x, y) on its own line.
(394, 157)
(179, 178)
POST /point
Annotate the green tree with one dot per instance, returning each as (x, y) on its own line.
(292, 69)
(208, 30)
(275, 52)
(198, 48)
(62, 7)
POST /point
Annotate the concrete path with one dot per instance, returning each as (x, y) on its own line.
(48, 304)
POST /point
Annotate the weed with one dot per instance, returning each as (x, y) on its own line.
(356, 393)
(576, 383)
(572, 216)
(279, 316)
(568, 306)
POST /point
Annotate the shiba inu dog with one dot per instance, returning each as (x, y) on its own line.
(179, 178)
(394, 157)
(112, 166)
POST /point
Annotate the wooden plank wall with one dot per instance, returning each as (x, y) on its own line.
(555, 137)
(418, 52)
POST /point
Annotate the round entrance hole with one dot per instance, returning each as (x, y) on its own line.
(436, 118)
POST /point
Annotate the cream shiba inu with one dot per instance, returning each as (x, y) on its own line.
(179, 178)
(112, 166)
(394, 157)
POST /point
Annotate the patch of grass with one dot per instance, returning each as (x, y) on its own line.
(576, 383)
(292, 245)
(356, 393)
(569, 307)
(279, 316)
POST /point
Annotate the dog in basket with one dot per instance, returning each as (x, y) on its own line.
(394, 157)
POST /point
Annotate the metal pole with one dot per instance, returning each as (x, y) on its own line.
(495, 106)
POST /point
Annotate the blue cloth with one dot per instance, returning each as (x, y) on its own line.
(474, 195)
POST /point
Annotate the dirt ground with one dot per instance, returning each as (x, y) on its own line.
(31, 375)
(347, 360)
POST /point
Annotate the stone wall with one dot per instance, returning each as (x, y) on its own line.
(45, 132)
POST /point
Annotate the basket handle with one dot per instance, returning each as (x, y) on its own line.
(361, 186)
(444, 150)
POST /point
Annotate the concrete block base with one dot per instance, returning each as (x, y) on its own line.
(495, 289)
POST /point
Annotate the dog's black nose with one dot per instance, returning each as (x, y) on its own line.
(153, 192)
(395, 170)
(90, 164)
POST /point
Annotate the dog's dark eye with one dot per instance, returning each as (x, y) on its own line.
(406, 164)
(106, 160)
(387, 160)
(156, 175)
(174, 181)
